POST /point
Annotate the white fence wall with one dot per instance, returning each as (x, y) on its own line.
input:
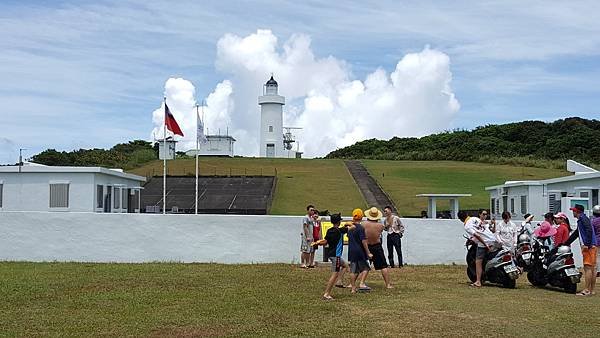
(96, 237)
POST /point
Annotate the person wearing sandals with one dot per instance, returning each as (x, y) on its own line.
(479, 232)
(334, 247)
(587, 238)
(306, 237)
(374, 229)
(358, 253)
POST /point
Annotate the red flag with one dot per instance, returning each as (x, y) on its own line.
(171, 122)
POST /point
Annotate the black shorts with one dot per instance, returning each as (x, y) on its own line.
(379, 261)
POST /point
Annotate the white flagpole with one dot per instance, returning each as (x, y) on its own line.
(197, 147)
(165, 160)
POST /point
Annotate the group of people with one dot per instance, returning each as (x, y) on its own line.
(553, 232)
(364, 246)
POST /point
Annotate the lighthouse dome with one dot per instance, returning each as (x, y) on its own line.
(271, 82)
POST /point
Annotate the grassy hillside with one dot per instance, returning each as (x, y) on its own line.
(529, 143)
(325, 183)
(328, 185)
(209, 300)
(402, 180)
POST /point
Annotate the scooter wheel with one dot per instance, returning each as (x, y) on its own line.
(571, 288)
(509, 283)
(471, 274)
(534, 277)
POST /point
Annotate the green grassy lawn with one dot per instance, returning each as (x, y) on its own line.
(325, 183)
(402, 180)
(74, 299)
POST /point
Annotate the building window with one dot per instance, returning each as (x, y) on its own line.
(1, 189)
(117, 198)
(59, 195)
(523, 205)
(553, 203)
(497, 205)
(135, 200)
(125, 198)
(270, 129)
(99, 196)
(493, 206)
(512, 205)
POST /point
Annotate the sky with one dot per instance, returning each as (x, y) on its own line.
(91, 74)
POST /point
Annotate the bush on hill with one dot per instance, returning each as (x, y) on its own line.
(529, 143)
(123, 155)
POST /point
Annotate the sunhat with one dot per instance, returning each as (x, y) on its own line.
(544, 230)
(373, 214)
(561, 215)
(357, 214)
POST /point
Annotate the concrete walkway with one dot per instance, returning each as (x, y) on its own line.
(371, 191)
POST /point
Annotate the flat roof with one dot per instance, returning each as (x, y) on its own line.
(36, 168)
(220, 136)
(574, 177)
(444, 195)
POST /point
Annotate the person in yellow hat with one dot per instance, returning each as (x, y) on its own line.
(358, 253)
(374, 229)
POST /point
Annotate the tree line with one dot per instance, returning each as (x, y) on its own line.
(529, 143)
(123, 155)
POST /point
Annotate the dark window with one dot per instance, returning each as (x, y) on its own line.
(99, 196)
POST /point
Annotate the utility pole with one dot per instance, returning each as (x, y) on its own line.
(21, 158)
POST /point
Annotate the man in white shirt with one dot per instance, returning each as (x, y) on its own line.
(480, 233)
(395, 232)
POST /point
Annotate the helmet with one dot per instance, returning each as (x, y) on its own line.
(523, 238)
(596, 210)
(563, 249)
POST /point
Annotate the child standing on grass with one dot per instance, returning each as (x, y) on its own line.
(316, 236)
(334, 241)
(306, 237)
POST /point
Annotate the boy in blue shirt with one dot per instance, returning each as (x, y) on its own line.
(334, 240)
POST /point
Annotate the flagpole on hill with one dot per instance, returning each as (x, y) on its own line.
(197, 146)
(165, 160)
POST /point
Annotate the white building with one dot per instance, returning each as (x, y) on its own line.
(271, 123)
(169, 153)
(551, 195)
(271, 120)
(34, 187)
(216, 145)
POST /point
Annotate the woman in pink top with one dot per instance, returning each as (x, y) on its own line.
(562, 232)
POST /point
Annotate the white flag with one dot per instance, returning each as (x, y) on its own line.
(200, 130)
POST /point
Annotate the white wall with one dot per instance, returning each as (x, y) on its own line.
(215, 146)
(30, 191)
(271, 114)
(94, 237)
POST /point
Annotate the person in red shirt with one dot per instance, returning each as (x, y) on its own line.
(562, 232)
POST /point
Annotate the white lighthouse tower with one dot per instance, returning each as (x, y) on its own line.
(271, 121)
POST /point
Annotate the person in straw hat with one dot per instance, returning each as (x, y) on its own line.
(374, 229)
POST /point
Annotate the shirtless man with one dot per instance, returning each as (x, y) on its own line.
(373, 230)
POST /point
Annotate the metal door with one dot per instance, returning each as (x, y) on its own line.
(270, 150)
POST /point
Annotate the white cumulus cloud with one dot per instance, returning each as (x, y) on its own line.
(322, 95)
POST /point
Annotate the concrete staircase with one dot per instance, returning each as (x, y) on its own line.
(371, 191)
